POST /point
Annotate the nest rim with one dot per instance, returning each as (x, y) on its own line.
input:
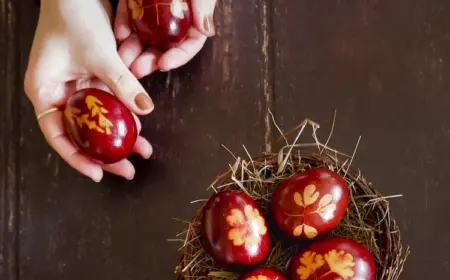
(387, 248)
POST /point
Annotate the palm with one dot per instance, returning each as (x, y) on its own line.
(143, 62)
(64, 59)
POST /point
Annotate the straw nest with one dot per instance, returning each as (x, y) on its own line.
(369, 219)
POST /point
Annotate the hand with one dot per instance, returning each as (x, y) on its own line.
(74, 48)
(143, 62)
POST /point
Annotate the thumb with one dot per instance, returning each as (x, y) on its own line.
(125, 86)
(203, 11)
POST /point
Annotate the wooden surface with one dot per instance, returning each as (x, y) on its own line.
(382, 65)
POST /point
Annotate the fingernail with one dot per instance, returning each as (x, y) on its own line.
(208, 24)
(143, 102)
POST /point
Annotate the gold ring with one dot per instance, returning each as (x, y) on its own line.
(46, 112)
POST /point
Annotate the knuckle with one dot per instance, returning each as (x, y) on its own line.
(27, 83)
(124, 82)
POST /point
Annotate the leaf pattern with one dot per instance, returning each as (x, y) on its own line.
(310, 263)
(137, 10)
(241, 232)
(309, 196)
(325, 209)
(259, 277)
(104, 125)
(298, 199)
(95, 105)
(341, 263)
(236, 218)
(178, 8)
(309, 231)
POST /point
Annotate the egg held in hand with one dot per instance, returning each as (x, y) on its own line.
(100, 125)
(162, 24)
(263, 273)
(331, 259)
(310, 203)
(234, 231)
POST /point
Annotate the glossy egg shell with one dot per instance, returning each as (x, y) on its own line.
(100, 125)
(263, 273)
(234, 230)
(331, 259)
(162, 24)
(310, 203)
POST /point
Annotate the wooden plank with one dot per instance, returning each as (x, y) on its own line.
(73, 228)
(9, 118)
(383, 66)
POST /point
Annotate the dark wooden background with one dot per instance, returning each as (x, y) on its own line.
(383, 65)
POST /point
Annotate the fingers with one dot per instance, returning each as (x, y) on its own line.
(140, 63)
(55, 134)
(143, 148)
(181, 54)
(145, 64)
(122, 27)
(203, 11)
(125, 86)
(130, 49)
(123, 168)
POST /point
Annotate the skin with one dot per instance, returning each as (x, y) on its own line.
(75, 47)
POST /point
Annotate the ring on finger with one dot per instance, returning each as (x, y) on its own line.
(46, 112)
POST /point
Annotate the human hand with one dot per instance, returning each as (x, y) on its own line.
(143, 62)
(74, 48)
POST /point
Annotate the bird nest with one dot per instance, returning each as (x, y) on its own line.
(368, 220)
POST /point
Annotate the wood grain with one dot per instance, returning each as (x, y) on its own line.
(9, 116)
(383, 66)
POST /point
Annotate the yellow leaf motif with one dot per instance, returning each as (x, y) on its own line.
(309, 196)
(236, 218)
(105, 123)
(247, 227)
(309, 231)
(95, 105)
(341, 263)
(254, 216)
(326, 208)
(137, 11)
(72, 114)
(92, 102)
(310, 263)
(259, 277)
(298, 199)
(178, 8)
(237, 236)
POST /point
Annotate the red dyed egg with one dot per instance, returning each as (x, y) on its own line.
(235, 232)
(263, 273)
(335, 258)
(310, 203)
(160, 23)
(100, 125)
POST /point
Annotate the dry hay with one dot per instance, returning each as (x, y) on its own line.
(368, 220)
